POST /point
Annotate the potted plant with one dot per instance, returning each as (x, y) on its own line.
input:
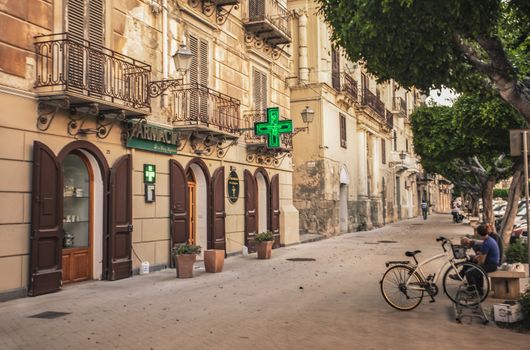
(214, 260)
(185, 256)
(264, 241)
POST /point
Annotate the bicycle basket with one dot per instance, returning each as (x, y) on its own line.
(459, 251)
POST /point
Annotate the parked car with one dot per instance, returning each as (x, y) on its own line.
(499, 210)
(519, 231)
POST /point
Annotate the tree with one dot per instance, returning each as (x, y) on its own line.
(467, 45)
(466, 143)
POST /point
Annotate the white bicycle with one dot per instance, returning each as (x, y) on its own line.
(404, 283)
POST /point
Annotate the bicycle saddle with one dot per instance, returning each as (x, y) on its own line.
(412, 253)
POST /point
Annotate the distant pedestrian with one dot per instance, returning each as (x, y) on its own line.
(424, 209)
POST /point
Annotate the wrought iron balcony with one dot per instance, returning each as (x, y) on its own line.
(198, 108)
(269, 20)
(369, 99)
(260, 142)
(84, 73)
(399, 107)
(349, 86)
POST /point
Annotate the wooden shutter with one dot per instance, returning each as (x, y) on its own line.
(120, 215)
(75, 26)
(95, 35)
(217, 198)
(203, 80)
(275, 209)
(343, 141)
(256, 89)
(46, 238)
(259, 88)
(335, 69)
(251, 203)
(194, 79)
(383, 151)
(178, 187)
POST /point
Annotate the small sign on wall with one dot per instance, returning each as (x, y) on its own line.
(149, 182)
(233, 186)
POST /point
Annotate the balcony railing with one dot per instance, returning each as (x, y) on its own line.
(198, 105)
(90, 72)
(349, 86)
(258, 116)
(269, 20)
(371, 100)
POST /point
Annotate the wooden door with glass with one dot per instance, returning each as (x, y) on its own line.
(77, 218)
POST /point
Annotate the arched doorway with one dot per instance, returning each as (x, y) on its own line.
(197, 205)
(262, 197)
(343, 200)
(82, 253)
(76, 192)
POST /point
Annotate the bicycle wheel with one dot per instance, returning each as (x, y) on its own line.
(397, 292)
(466, 275)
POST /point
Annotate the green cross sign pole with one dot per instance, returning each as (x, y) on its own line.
(273, 127)
(149, 173)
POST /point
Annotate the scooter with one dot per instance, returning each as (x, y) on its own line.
(457, 217)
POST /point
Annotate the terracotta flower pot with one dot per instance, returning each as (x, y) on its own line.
(214, 260)
(264, 249)
(184, 263)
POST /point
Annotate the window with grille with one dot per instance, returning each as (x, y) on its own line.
(407, 145)
(395, 140)
(259, 90)
(343, 142)
(383, 151)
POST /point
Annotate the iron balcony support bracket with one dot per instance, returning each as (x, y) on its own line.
(158, 87)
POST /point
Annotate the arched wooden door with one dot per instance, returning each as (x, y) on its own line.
(251, 224)
(120, 218)
(274, 206)
(179, 219)
(46, 237)
(216, 239)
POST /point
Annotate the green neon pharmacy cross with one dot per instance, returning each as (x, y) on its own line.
(149, 173)
(273, 127)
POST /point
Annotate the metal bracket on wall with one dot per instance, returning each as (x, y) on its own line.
(274, 52)
(47, 109)
(222, 13)
(267, 156)
(105, 120)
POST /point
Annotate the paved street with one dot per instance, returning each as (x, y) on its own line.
(331, 303)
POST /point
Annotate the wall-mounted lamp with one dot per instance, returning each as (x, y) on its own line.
(307, 117)
(182, 59)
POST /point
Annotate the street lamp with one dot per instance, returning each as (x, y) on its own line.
(307, 117)
(182, 59)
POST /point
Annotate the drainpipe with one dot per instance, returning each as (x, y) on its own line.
(303, 68)
(165, 53)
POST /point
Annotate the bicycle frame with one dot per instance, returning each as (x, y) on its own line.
(418, 269)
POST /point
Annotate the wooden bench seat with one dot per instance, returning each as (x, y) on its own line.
(505, 284)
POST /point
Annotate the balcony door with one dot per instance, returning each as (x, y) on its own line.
(84, 22)
(256, 9)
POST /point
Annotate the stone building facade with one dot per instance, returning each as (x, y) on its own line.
(110, 155)
(355, 168)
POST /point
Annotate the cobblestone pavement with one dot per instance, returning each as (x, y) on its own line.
(331, 303)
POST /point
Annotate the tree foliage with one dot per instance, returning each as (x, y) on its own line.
(467, 45)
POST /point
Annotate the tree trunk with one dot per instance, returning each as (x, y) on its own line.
(514, 195)
(487, 200)
(475, 210)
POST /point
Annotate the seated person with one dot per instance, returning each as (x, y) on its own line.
(488, 257)
(476, 245)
